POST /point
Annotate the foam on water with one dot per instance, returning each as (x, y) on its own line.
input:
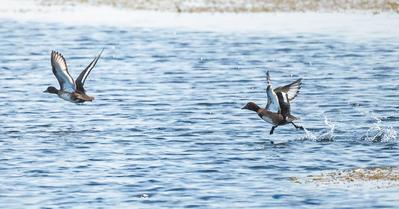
(368, 178)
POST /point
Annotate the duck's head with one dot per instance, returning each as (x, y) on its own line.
(251, 106)
(51, 90)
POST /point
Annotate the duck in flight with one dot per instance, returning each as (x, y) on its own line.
(278, 108)
(70, 90)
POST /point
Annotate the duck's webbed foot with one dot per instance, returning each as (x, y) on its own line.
(297, 127)
(272, 130)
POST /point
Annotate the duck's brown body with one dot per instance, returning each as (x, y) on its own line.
(271, 117)
(75, 97)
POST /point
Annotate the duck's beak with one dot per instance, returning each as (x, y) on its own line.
(45, 91)
(245, 107)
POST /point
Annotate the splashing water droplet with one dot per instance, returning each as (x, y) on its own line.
(326, 136)
(379, 133)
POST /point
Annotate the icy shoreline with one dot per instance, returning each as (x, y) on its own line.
(367, 24)
(238, 6)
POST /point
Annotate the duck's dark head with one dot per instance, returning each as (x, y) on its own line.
(51, 90)
(251, 106)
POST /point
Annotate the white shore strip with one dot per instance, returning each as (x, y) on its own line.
(355, 24)
(239, 6)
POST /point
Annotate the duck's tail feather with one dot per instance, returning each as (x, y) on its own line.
(291, 118)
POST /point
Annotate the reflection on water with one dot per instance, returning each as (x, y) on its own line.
(166, 128)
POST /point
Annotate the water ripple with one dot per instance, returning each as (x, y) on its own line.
(166, 129)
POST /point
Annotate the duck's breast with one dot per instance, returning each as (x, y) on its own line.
(271, 117)
(267, 119)
(66, 96)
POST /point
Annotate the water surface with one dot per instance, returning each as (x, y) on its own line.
(166, 129)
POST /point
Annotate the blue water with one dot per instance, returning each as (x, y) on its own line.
(166, 129)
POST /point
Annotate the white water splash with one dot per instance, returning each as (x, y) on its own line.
(380, 133)
(323, 136)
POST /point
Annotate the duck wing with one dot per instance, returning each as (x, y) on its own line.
(272, 100)
(60, 70)
(284, 103)
(80, 81)
(291, 89)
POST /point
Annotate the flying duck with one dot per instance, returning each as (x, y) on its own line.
(278, 108)
(70, 90)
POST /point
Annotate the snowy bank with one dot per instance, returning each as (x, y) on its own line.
(357, 25)
(241, 5)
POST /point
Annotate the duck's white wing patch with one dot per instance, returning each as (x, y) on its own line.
(291, 89)
(60, 70)
(272, 99)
